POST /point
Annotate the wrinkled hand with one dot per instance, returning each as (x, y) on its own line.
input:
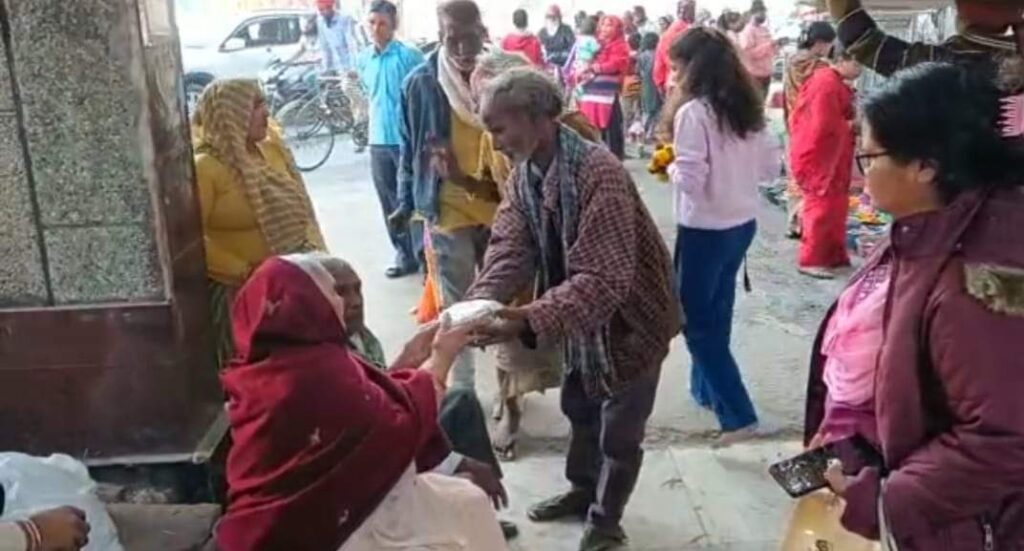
(836, 478)
(442, 160)
(419, 347)
(484, 477)
(399, 220)
(449, 341)
(511, 326)
(62, 529)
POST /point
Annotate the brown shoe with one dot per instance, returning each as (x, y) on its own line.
(574, 503)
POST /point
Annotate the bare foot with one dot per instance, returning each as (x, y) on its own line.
(727, 439)
(818, 273)
(507, 432)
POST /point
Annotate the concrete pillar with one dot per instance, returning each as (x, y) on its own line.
(76, 172)
(104, 344)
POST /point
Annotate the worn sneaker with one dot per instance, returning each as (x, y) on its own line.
(573, 503)
(603, 539)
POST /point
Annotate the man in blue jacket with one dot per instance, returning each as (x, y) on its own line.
(442, 178)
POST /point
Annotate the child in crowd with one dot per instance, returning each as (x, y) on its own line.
(650, 97)
(587, 48)
(631, 88)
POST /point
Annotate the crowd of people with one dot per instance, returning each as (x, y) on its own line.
(500, 175)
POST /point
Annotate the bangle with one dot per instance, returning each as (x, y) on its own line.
(33, 538)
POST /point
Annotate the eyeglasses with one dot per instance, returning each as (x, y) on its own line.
(865, 160)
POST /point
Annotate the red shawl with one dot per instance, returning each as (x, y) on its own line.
(662, 60)
(319, 437)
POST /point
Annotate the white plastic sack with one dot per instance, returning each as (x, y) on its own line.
(470, 311)
(35, 484)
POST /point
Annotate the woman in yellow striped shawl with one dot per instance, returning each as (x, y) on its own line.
(253, 200)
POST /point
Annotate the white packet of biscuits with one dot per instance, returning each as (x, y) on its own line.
(470, 312)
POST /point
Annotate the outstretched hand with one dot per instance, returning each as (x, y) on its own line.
(511, 325)
(484, 477)
(419, 347)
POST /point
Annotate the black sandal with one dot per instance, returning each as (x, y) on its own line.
(574, 503)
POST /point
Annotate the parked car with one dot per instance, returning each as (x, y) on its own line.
(240, 48)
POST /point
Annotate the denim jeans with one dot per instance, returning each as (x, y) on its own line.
(459, 253)
(707, 263)
(384, 166)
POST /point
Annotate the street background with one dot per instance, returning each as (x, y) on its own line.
(419, 18)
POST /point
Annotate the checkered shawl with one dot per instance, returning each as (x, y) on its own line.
(587, 352)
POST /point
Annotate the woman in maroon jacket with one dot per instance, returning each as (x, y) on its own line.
(942, 391)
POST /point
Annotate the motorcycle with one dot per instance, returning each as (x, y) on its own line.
(285, 82)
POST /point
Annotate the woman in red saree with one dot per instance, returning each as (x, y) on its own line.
(329, 452)
(821, 158)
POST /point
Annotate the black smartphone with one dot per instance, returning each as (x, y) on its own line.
(805, 473)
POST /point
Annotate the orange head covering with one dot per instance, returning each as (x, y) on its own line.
(325, 4)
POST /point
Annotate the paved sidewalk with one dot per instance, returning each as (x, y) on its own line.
(688, 498)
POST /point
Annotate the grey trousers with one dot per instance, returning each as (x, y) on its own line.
(605, 453)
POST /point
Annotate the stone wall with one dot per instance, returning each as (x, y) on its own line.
(76, 213)
(105, 343)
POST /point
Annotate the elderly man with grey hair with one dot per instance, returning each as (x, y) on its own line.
(605, 295)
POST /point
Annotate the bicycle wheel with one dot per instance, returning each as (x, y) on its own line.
(339, 110)
(306, 133)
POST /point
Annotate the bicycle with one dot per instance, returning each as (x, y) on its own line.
(310, 123)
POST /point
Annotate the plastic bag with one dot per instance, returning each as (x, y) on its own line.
(471, 311)
(815, 526)
(36, 484)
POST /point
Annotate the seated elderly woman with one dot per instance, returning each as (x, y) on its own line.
(460, 415)
(330, 452)
(254, 203)
(922, 353)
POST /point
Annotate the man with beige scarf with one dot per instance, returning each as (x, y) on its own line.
(440, 177)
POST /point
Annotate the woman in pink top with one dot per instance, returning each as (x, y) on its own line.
(758, 48)
(722, 152)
